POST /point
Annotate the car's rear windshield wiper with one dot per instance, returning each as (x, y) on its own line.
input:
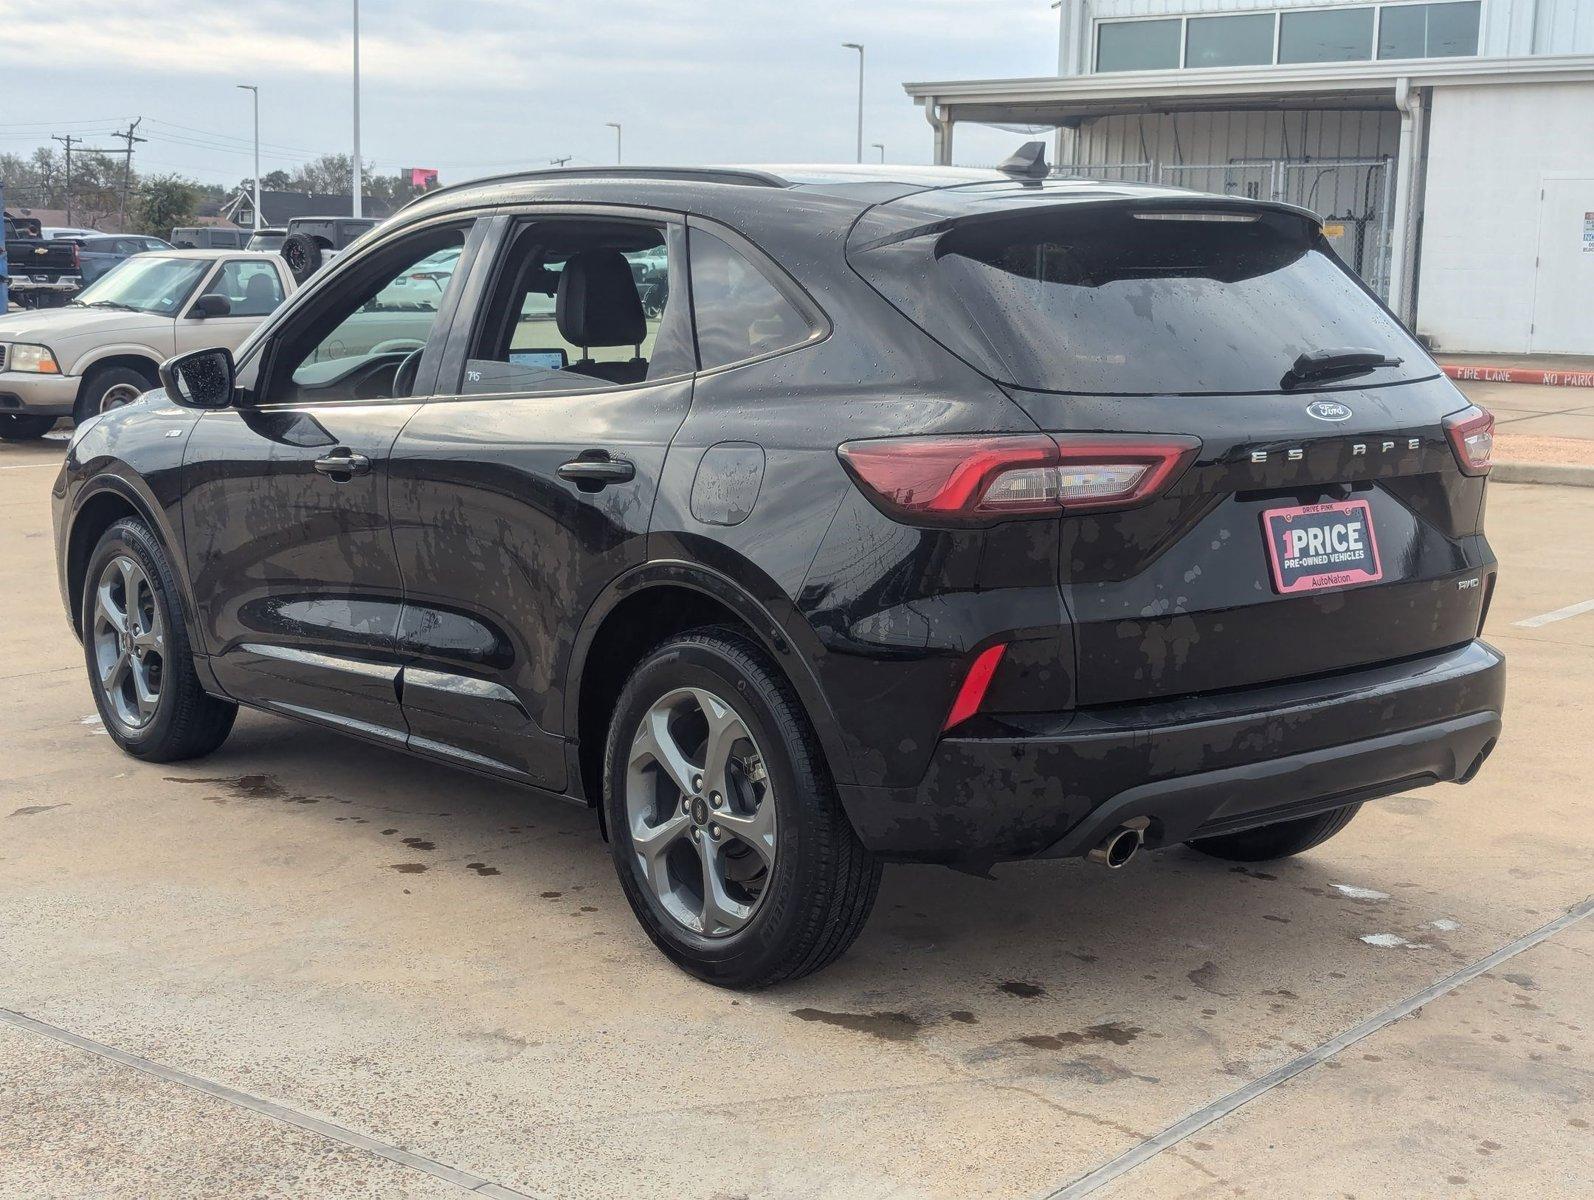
(1317, 366)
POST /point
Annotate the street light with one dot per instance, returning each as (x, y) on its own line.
(858, 46)
(358, 185)
(619, 157)
(255, 91)
(880, 146)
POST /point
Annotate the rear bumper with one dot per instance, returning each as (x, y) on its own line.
(1051, 786)
(26, 392)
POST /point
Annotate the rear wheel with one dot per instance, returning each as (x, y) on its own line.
(140, 665)
(726, 832)
(1279, 840)
(24, 427)
(107, 389)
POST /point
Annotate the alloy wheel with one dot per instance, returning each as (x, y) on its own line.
(129, 638)
(701, 812)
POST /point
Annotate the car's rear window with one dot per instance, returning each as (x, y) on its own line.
(1128, 300)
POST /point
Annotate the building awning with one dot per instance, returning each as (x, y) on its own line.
(1072, 99)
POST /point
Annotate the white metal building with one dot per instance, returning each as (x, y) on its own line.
(1449, 146)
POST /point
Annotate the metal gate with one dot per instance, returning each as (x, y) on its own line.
(1353, 196)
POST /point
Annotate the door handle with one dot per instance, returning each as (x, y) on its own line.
(343, 462)
(594, 473)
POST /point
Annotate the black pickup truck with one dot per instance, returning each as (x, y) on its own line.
(43, 274)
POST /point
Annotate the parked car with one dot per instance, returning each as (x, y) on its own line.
(103, 349)
(42, 272)
(209, 237)
(98, 254)
(311, 242)
(960, 517)
(267, 240)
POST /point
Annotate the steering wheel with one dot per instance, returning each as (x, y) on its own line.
(392, 344)
(404, 377)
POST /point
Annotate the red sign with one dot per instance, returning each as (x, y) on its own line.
(423, 177)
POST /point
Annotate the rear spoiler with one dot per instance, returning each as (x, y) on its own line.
(1035, 199)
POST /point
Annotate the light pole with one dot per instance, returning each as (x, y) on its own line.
(880, 146)
(619, 156)
(254, 90)
(358, 185)
(858, 46)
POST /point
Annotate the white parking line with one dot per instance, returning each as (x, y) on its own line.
(471, 1183)
(1223, 1106)
(1560, 614)
(26, 466)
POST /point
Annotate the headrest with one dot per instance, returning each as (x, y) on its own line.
(597, 301)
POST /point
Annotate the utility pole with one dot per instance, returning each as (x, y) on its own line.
(559, 162)
(858, 46)
(619, 156)
(67, 141)
(359, 175)
(127, 168)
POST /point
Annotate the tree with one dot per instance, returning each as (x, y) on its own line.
(164, 202)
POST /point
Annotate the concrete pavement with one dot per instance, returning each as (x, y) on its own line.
(445, 967)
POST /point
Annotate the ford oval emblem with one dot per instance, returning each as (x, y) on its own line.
(1328, 410)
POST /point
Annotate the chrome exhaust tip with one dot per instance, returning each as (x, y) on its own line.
(1117, 848)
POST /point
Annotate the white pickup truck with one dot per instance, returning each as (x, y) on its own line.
(102, 349)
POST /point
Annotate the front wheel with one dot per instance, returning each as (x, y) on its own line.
(1278, 840)
(107, 389)
(136, 644)
(726, 832)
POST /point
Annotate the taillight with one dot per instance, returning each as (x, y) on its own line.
(1471, 433)
(991, 477)
(76, 250)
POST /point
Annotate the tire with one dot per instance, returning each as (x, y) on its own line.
(302, 253)
(776, 922)
(109, 388)
(24, 427)
(183, 721)
(1279, 840)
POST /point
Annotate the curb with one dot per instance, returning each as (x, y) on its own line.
(1482, 374)
(1509, 472)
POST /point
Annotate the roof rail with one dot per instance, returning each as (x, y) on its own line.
(732, 175)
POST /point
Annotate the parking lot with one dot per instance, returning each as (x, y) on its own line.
(392, 979)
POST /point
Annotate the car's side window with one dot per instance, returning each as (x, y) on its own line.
(740, 312)
(362, 339)
(579, 303)
(252, 288)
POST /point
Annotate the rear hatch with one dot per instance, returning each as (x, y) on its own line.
(1325, 523)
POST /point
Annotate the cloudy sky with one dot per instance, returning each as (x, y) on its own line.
(475, 86)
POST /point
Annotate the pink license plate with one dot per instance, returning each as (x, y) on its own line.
(1319, 546)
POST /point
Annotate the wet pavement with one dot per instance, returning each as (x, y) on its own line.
(380, 971)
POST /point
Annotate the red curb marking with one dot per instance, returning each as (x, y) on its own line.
(1520, 375)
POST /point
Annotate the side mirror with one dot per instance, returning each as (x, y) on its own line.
(201, 379)
(211, 305)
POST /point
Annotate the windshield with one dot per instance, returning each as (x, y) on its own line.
(145, 283)
(1123, 300)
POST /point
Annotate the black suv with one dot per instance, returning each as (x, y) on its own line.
(922, 515)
